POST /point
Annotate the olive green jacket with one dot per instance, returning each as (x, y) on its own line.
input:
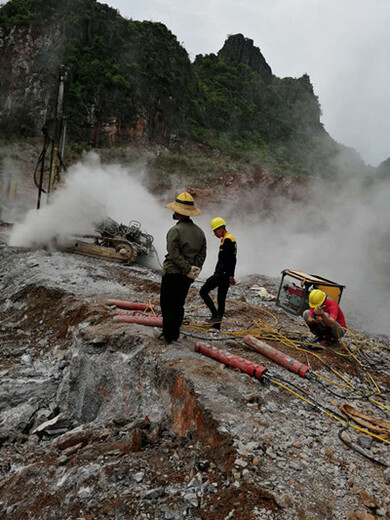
(186, 246)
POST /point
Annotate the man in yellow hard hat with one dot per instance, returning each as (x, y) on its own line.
(186, 253)
(324, 318)
(223, 275)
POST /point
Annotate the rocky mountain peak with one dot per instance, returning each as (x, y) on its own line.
(238, 49)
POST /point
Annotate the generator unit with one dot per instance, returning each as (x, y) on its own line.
(295, 287)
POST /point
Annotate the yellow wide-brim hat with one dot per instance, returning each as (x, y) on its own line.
(185, 205)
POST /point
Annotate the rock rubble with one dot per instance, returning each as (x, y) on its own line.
(100, 420)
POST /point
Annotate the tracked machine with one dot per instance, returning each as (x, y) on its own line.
(113, 241)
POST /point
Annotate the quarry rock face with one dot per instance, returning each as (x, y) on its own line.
(103, 420)
(141, 96)
(238, 49)
(30, 57)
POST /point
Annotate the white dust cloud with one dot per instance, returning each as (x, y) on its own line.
(92, 192)
(341, 233)
(339, 230)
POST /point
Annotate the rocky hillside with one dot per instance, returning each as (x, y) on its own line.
(129, 81)
(98, 419)
(115, 68)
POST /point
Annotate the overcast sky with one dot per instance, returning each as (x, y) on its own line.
(344, 46)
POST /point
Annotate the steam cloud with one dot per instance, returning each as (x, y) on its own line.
(339, 231)
(92, 192)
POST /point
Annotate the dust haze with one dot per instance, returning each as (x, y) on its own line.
(339, 230)
(92, 192)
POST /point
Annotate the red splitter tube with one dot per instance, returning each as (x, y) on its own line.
(130, 305)
(253, 369)
(282, 359)
(128, 312)
(151, 321)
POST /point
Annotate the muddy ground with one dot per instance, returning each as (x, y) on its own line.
(99, 419)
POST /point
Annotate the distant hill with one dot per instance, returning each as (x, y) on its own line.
(132, 81)
(384, 169)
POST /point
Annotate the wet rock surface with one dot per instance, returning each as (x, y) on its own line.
(99, 419)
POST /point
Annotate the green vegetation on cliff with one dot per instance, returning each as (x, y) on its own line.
(244, 114)
(136, 76)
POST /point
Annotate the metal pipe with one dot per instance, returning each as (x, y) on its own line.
(40, 187)
(58, 127)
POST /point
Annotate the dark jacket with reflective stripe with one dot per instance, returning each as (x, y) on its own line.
(227, 256)
(186, 246)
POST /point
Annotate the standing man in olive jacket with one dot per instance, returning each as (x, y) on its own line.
(186, 246)
(223, 276)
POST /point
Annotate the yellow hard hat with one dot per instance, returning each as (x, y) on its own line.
(316, 298)
(217, 222)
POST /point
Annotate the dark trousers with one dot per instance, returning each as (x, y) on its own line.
(322, 330)
(173, 292)
(222, 281)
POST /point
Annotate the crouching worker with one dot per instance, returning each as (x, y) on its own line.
(325, 319)
(223, 276)
(186, 253)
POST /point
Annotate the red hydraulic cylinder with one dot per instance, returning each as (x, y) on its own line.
(130, 305)
(151, 321)
(128, 312)
(253, 369)
(282, 359)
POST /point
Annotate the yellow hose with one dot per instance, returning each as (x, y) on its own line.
(268, 332)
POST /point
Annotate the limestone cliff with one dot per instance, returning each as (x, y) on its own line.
(130, 81)
(238, 49)
(30, 57)
(133, 76)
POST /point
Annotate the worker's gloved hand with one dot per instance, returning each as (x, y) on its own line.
(193, 273)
